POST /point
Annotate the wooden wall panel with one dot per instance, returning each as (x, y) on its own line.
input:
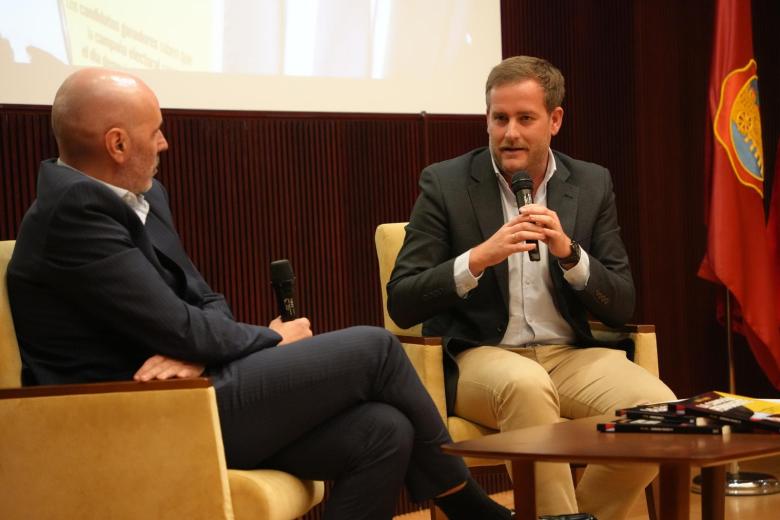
(25, 139)
(671, 94)
(591, 43)
(249, 188)
(450, 136)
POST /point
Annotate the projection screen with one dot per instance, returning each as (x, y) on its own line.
(399, 56)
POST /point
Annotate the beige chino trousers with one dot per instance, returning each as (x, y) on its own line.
(510, 388)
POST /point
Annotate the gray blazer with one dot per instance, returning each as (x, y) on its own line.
(458, 208)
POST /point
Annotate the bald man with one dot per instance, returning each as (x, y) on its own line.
(101, 289)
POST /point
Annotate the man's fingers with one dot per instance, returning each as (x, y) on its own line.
(155, 370)
(142, 373)
(167, 368)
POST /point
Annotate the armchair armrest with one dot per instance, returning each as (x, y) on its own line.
(645, 343)
(103, 388)
(113, 450)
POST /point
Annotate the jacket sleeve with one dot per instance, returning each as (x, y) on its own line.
(91, 253)
(609, 295)
(422, 282)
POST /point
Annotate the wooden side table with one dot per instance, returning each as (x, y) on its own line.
(579, 441)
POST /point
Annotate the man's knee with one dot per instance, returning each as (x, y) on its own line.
(373, 337)
(502, 389)
(649, 390)
(384, 433)
(641, 387)
(530, 384)
(529, 388)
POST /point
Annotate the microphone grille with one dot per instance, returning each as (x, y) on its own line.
(521, 181)
(281, 271)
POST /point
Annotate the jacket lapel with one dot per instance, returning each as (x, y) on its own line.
(165, 243)
(562, 197)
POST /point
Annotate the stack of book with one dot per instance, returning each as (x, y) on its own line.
(712, 413)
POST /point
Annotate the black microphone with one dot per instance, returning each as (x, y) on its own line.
(522, 187)
(283, 282)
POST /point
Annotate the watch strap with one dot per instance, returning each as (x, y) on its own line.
(573, 258)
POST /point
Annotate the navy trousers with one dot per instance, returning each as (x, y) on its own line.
(345, 406)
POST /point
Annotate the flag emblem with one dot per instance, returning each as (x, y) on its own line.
(738, 126)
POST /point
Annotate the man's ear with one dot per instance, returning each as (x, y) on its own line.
(556, 120)
(117, 144)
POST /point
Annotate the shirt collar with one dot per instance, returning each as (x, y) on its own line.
(541, 192)
(136, 202)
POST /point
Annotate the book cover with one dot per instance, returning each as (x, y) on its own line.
(736, 409)
(667, 412)
(655, 426)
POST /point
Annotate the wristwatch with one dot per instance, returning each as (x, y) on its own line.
(570, 261)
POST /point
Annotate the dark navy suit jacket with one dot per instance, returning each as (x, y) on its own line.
(94, 292)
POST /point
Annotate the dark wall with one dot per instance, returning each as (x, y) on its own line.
(247, 188)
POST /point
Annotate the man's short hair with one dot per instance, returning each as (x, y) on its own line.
(521, 68)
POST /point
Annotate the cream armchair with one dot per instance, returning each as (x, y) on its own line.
(124, 450)
(426, 353)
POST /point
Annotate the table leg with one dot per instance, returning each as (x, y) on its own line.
(675, 491)
(713, 493)
(524, 489)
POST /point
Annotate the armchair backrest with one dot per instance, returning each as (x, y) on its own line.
(10, 362)
(389, 239)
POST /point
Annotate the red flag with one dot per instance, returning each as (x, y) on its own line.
(739, 251)
(773, 226)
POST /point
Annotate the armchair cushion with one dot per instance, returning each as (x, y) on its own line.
(268, 493)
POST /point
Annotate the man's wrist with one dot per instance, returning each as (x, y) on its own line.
(567, 262)
(476, 266)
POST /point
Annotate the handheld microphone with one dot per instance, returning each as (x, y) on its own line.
(283, 282)
(522, 187)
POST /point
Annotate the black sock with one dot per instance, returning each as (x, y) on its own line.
(472, 502)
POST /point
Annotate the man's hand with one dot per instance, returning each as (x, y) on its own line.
(292, 330)
(508, 240)
(163, 367)
(547, 222)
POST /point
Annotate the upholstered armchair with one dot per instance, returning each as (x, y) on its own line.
(426, 353)
(124, 450)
